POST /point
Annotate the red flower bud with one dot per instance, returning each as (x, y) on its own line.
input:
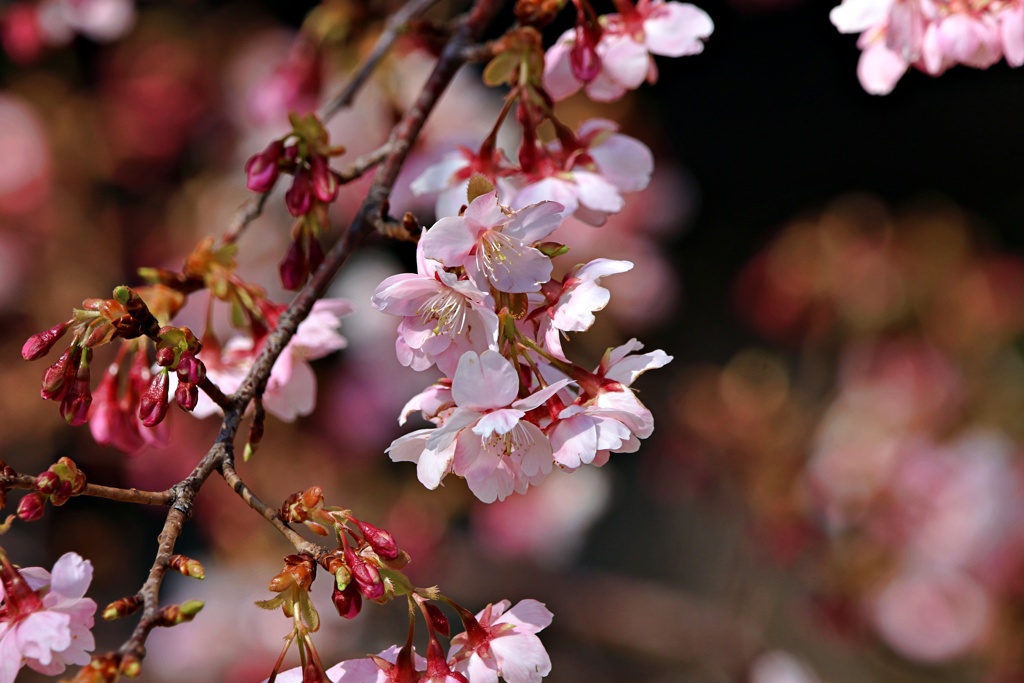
(261, 170)
(57, 377)
(191, 369)
(154, 402)
(39, 344)
(381, 541)
(299, 197)
(74, 407)
(30, 508)
(62, 494)
(325, 183)
(366, 575)
(47, 482)
(186, 396)
(294, 268)
(583, 58)
(165, 357)
(348, 602)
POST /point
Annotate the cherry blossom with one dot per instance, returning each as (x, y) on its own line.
(580, 296)
(45, 618)
(588, 177)
(291, 389)
(930, 35)
(485, 439)
(495, 244)
(442, 317)
(503, 642)
(607, 417)
(625, 49)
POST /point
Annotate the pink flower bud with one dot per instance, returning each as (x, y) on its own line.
(74, 407)
(48, 482)
(294, 268)
(165, 357)
(348, 602)
(39, 344)
(62, 494)
(190, 368)
(381, 541)
(584, 61)
(366, 575)
(154, 402)
(261, 170)
(186, 396)
(57, 377)
(315, 253)
(299, 197)
(30, 508)
(311, 673)
(325, 183)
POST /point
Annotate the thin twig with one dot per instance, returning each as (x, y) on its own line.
(132, 495)
(249, 211)
(268, 513)
(392, 29)
(358, 168)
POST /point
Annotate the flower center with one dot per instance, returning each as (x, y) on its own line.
(516, 441)
(497, 253)
(448, 309)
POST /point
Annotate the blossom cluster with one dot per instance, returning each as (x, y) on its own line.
(484, 309)
(930, 35)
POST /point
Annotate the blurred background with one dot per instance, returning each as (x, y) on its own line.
(834, 490)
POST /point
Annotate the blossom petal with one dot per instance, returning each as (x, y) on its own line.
(676, 28)
(484, 382)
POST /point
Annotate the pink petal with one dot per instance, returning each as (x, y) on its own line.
(533, 223)
(528, 616)
(521, 658)
(498, 422)
(484, 382)
(880, 68)
(676, 29)
(857, 16)
(559, 80)
(625, 162)
(1011, 25)
(624, 60)
(71, 576)
(449, 241)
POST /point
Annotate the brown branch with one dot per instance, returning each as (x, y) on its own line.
(358, 168)
(132, 495)
(392, 29)
(215, 394)
(268, 513)
(249, 211)
(220, 457)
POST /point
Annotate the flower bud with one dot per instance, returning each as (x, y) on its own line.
(190, 368)
(299, 197)
(583, 58)
(325, 183)
(186, 396)
(173, 615)
(62, 494)
(30, 508)
(348, 602)
(314, 253)
(261, 170)
(74, 407)
(311, 673)
(58, 375)
(187, 566)
(39, 344)
(122, 607)
(294, 269)
(381, 541)
(154, 402)
(79, 483)
(366, 576)
(48, 482)
(165, 357)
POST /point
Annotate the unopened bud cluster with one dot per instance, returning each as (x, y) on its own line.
(57, 484)
(305, 155)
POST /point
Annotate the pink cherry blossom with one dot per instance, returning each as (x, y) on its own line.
(607, 418)
(363, 670)
(581, 295)
(503, 642)
(45, 618)
(625, 49)
(929, 35)
(495, 244)
(442, 317)
(291, 389)
(588, 179)
(485, 439)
